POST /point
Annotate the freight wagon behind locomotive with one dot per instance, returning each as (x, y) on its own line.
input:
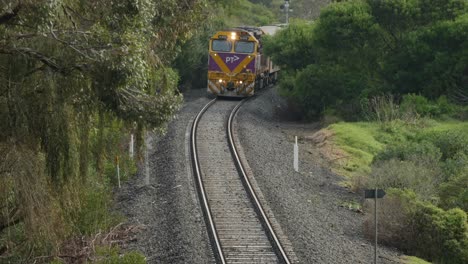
(237, 65)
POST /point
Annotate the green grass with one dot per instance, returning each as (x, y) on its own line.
(448, 126)
(414, 260)
(111, 255)
(361, 141)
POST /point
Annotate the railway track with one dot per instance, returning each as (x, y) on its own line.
(240, 231)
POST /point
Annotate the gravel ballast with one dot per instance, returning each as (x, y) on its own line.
(167, 208)
(307, 205)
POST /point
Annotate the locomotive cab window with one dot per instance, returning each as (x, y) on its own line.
(221, 45)
(244, 46)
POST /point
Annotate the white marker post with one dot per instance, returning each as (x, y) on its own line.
(147, 172)
(118, 170)
(131, 147)
(296, 156)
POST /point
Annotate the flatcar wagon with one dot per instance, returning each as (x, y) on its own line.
(237, 65)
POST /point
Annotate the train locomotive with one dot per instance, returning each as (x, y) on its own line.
(237, 65)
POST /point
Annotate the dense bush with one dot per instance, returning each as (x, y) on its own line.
(422, 106)
(421, 228)
(450, 143)
(376, 47)
(434, 164)
(423, 152)
(442, 236)
(454, 192)
(417, 174)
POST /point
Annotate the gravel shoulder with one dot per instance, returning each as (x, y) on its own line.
(307, 205)
(167, 208)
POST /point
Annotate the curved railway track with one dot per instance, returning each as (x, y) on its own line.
(240, 231)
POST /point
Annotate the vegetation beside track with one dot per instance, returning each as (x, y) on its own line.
(76, 79)
(362, 48)
(423, 164)
(398, 70)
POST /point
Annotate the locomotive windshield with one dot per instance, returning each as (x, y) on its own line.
(221, 45)
(244, 47)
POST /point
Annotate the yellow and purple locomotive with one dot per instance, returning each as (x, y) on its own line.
(236, 65)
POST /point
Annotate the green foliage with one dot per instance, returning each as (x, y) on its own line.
(422, 166)
(94, 213)
(416, 174)
(414, 260)
(244, 12)
(423, 107)
(56, 261)
(110, 255)
(423, 229)
(454, 192)
(76, 78)
(450, 143)
(306, 9)
(373, 48)
(436, 160)
(417, 151)
(292, 47)
(358, 141)
(442, 235)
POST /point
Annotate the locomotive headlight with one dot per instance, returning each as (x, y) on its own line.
(233, 35)
(220, 80)
(240, 82)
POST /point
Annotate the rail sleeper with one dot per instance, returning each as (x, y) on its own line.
(240, 232)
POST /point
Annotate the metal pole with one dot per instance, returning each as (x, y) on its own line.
(375, 220)
(286, 6)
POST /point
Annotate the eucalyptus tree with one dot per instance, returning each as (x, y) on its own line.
(69, 66)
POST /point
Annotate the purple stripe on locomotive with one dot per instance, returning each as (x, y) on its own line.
(231, 60)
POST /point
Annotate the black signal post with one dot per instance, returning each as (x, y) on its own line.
(376, 194)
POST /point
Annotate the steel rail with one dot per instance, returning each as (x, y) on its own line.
(262, 217)
(269, 229)
(202, 193)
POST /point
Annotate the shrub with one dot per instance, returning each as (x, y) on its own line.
(416, 103)
(383, 108)
(450, 143)
(440, 235)
(422, 152)
(420, 228)
(454, 193)
(420, 105)
(455, 165)
(94, 213)
(393, 218)
(421, 177)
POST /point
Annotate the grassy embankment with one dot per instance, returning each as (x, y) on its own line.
(361, 141)
(423, 166)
